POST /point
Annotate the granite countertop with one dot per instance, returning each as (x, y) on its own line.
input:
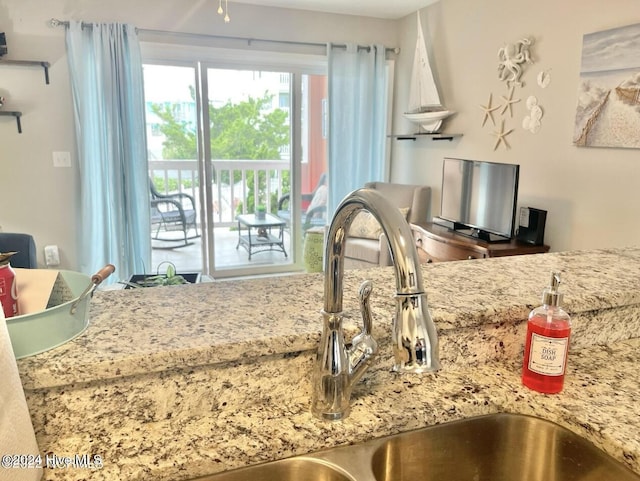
(170, 382)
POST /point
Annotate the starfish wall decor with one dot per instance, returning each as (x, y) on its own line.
(508, 102)
(500, 136)
(513, 58)
(488, 112)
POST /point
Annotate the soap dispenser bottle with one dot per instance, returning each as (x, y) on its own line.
(547, 343)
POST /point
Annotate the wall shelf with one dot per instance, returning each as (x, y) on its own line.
(30, 63)
(425, 135)
(17, 115)
(24, 63)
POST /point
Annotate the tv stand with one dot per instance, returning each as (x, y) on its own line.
(437, 243)
(482, 235)
(471, 232)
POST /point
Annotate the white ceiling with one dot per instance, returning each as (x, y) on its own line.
(391, 9)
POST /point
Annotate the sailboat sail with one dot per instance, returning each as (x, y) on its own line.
(424, 106)
(423, 92)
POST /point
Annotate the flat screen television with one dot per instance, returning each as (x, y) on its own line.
(479, 198)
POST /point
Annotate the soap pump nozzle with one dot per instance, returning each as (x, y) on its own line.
(551, 296)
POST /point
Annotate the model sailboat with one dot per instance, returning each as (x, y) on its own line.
(425, 108)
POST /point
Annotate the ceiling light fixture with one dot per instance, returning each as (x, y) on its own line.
(224, 11)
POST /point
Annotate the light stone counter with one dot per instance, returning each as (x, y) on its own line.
(176, 382)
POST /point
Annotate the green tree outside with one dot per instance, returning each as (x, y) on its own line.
(247, 130)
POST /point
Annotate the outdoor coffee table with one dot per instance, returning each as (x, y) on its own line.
(256, 235)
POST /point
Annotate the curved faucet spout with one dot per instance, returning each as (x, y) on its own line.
(403, 253)
(414, 336)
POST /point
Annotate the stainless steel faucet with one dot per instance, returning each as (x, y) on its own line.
(414, 336)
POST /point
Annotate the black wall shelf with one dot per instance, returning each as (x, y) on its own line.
(30, 63)
(17, 115)
(425, 135)
(24, 63)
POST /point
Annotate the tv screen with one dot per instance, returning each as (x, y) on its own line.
(482, 196)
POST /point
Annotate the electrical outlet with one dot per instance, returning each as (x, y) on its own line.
(62, 159)
(51, 256)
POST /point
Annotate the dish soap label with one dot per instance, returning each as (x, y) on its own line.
(547, 355)
(547, 344)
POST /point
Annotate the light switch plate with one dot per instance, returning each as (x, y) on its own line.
(62, 159)
(51, 255)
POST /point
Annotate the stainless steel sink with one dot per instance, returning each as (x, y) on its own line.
(499, 447)
(300, 468)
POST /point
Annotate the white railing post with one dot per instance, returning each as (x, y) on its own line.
(185, 173)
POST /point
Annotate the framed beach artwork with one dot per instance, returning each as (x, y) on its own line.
(608, 111)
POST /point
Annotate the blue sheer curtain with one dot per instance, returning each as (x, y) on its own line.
(357, 118)
(107, 86)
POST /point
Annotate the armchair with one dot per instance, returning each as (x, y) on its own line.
(173, 212)
(366, 245)
(24, 245)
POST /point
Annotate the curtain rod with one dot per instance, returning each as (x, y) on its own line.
(60, 23)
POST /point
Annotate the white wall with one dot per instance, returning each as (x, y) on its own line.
(41, 199)
(592, 195)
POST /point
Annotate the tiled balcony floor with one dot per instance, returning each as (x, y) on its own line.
(189, 258)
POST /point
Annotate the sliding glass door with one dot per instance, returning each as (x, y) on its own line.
(172, 153)
(247, 150)
(249, 145)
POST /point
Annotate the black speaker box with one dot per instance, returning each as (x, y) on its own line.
(3, 44)
(531, 225)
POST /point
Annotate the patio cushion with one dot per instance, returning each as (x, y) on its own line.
(319, 198)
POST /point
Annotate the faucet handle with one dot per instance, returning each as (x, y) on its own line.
(365, 309)
(363, 346)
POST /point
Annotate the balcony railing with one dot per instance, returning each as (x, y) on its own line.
(234, 184)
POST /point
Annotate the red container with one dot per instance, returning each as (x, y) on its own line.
(547, 343)
(546, 350)
(8, 287)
